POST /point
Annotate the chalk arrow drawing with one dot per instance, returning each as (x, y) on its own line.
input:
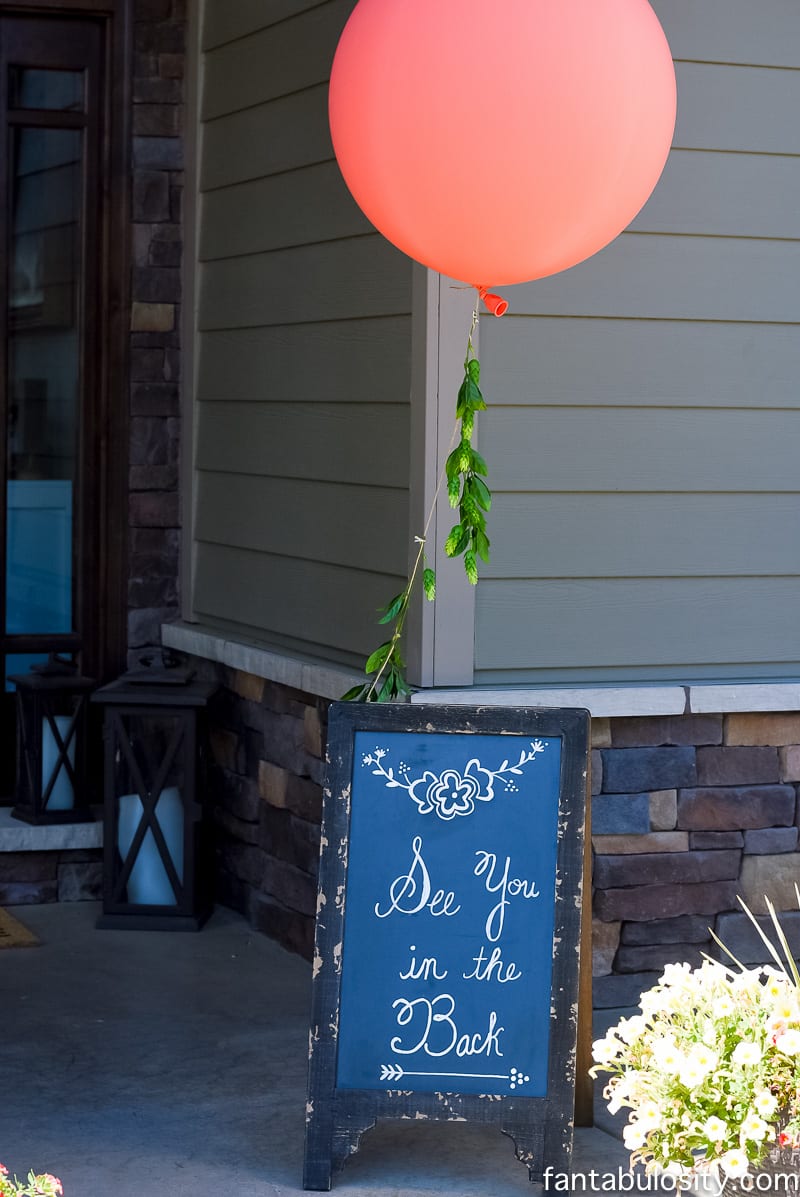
(516, 1078)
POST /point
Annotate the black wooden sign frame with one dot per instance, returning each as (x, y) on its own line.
(541, 1127)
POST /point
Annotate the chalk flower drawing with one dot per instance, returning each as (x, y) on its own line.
(451, 792)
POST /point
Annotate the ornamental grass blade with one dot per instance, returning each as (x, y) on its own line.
(727, 952)
(768, 942)
(783, 942)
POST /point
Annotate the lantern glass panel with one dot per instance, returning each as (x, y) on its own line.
(49, 744)
(150, 783)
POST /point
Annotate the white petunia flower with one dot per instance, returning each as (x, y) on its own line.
(648, 1116)
(789, 1042)
(715, 1129)
(785, 1010)
(746, 1052)
(753, 1128)
(631, 1028)
(765, 1103)
(633, 1136)
(692, 1073)
(606, 1050)
(723, 1006)
(735, 1163)
(666, 1055)
(675, 974)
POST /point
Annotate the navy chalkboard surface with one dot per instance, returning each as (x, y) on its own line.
(448, 926)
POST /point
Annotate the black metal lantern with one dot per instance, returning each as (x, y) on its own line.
(156, 873)
(52, 783)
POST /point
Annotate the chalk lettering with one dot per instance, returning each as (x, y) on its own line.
(486, 866)
(411, 892)
(493, 969)
(437, 1032)
(427, 968)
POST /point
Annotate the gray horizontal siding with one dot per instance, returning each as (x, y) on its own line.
(246, 511)
(644, 363)
(644, 424)
(274, 61)
(646, 535)
(725, 195)
(262, 141)
(335, 281)
(303, 350)
(674, 278)
(633, 449)
(739, 31)
(727, 623)
(724, 108)
(227, 22)
(336, 442)
(308, 602)
(307, 205)
(232, 362)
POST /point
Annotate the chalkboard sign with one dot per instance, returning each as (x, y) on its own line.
(448, 926)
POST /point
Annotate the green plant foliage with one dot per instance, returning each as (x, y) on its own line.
(466, 489)
(464, 472)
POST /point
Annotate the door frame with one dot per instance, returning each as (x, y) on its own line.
(105, 652)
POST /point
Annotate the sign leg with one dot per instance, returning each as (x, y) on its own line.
(318, 1164)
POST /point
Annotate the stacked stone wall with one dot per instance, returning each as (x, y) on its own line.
(155, 351)
(71, 875)
(688, 814)
(267, 748)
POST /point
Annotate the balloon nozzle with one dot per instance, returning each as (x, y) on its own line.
(494, 303)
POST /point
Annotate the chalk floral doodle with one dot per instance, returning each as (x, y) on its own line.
(451, 792)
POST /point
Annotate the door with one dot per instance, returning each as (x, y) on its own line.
(51, 299)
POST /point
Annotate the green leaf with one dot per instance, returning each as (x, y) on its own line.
(482, 545)
(354, 694)
(471, 567)
(481, 492)
(392, 609)
(378, 657)
(452, 468)
(477, 464)
(454, 490)
(474, 369)
(478, 404)
(461, 404)
(429, 584)
(474, 396)
(385, 692)
(456, 533)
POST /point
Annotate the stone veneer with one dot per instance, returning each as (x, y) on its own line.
(267, 748)
(155, 350)
(64, 876)
(688, 813)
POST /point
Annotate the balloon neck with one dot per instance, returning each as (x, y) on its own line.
(493, 303)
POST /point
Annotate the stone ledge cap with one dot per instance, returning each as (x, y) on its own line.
(744, 696)
(300, 673)
(16, 836)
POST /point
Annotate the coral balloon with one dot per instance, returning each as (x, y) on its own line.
(501, 140)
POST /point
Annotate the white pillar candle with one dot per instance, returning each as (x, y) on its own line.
(148, 881)
(62, 796)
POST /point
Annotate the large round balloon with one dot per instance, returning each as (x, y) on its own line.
(501, 140)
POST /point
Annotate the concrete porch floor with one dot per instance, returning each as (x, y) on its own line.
(147, 1064)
